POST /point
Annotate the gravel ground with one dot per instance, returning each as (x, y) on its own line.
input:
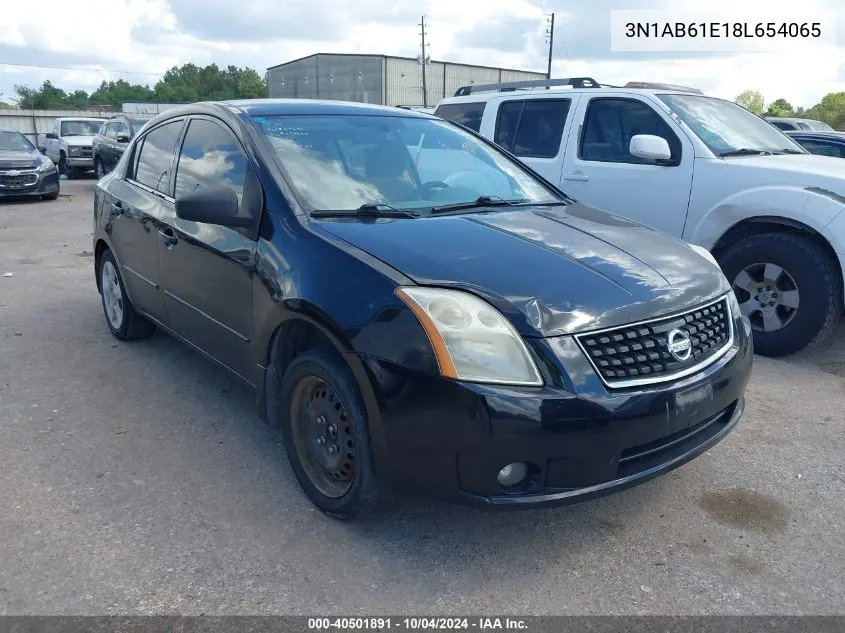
(137, 479)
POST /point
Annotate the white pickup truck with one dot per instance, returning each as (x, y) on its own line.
(702, 169)
(69, 144)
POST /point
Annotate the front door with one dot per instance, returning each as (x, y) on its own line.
(599, 170)
(207, 269)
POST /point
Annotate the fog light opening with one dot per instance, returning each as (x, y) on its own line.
(512, 474)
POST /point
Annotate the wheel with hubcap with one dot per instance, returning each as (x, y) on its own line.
(788, 286)
(123, 321)
(326, 435)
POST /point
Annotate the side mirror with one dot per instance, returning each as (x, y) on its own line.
(51, 135)
(650, 147)
(43, 150)
(122, 139)
(213, 205)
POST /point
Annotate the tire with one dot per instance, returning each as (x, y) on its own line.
(811, 282)
(99, 168)
(51, 196)
(63, 166)
(125, 324)
(339, 402)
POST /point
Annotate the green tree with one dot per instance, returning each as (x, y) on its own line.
(779, 108)
(751, 99)
(114, 93)
(189, 83)
(831, 110)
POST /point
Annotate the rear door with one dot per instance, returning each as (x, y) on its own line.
(533, 129)
(600, 171)
(135, 215)
(106, 145)
(207, 269)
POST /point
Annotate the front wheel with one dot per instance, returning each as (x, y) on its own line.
(789, 288)
(99, 169)
(324, 424)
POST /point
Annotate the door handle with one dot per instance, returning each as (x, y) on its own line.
(168, 237)
(581, 177)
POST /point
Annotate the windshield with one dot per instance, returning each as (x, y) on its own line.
(15, 142)
(819, 125)
(81, 128)
(727, 127)
(341, 162)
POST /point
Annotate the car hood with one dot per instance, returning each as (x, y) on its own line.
(18, 159)
(802, 169)
(78, 140)
(550, 270)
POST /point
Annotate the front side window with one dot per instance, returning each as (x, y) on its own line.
(467, 114)
(121, 129)
(532, 128)
(80, 128)
(341, 162)
(725, 127)
(210, 156)
(155, 156)
(610, 125)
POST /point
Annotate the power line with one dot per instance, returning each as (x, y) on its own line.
(99, 70)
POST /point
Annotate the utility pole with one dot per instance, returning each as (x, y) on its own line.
(423, 60)
(550, 34)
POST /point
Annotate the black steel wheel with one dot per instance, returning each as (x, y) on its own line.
(327, 440)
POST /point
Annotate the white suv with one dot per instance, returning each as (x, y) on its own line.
(700, 168)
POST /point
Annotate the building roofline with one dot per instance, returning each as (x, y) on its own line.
(381, 56)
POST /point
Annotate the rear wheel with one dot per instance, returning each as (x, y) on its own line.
(123, 321)
(789, 288)
(326, 436)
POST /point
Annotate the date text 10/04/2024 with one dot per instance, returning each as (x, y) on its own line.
(415, 623)
(723, 30)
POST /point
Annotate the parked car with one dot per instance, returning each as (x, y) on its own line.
(24, 171)
(112, 139)
(699, 168)
(69, 144)
(823, 143)
(792, 123)
(448, 322)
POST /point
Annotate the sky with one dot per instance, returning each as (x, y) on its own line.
(137, 40)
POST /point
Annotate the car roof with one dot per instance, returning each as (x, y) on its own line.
(271, 107)
(556, 91)
(820, 134)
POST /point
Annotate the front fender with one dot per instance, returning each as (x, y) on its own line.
(811, 206)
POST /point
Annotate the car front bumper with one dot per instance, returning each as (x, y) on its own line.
(449, 439)
(30, 182)
(81, 162)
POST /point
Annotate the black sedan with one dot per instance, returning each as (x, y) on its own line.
(823, 143)
(415, 308)
(24, 171)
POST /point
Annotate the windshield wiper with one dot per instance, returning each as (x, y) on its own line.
(480, 201)
(368, 210)
(789, 150)
(746, 151)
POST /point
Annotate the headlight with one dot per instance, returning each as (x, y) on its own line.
(46, 164)
(73, 150)
(704, 253)
(471, 339)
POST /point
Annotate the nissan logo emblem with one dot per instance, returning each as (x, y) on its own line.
(679, 345)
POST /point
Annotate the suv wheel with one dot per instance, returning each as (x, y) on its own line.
(788, 287)
(99, 169)
(124, 323)
(325, 431)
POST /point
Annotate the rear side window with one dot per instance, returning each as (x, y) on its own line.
(210, 156)
(468, 114)
(532, 128)
(611, 123)
(156, 156)
(782, 125)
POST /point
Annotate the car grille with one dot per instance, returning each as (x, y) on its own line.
(21, 181)
(86, 152)
(639, 353)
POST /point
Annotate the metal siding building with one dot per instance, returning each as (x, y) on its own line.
(380, 79)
